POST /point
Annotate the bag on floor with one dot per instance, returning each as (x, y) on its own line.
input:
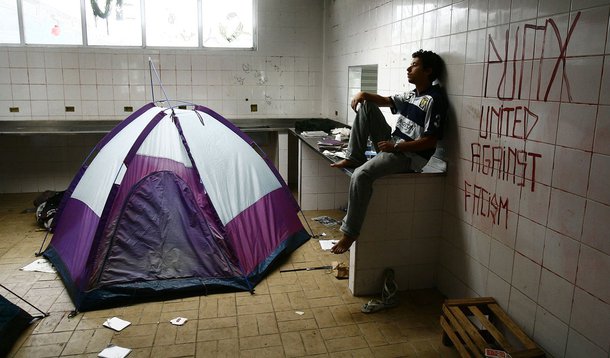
(47, 204)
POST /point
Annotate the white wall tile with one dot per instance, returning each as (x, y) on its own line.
(530, 239)
(523, 10)
(498, 12)
(588, 37)
(535, 205)
(593, 273)
(598, 183)
(544, 121)
(550, 332)
(526, 276)
(576, 123)
(585, 74)
(551, 7)
(20, 92)
(566, 213)
(522, 310)
(19, 76)
(540, 158)
(556, 295)
(601, 144)
(69, 60)
(591, 317)
(596, 226)
(579, 346)
(561, 255)
(585, 4)
(571, 170)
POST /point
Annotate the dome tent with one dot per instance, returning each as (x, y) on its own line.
(176, 202)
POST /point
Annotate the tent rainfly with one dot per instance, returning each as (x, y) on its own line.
(175, 202)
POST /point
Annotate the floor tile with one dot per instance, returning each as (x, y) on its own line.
(291, 314)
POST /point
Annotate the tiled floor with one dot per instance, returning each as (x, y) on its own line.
(222, 325)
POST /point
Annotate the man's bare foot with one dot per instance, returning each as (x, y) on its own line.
(344, 163)
(343, 245)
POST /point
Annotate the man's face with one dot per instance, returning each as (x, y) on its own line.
(416, 73)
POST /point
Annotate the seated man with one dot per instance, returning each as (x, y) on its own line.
(422, 113)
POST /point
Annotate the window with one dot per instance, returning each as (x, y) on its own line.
(114, 23)
(52, 22)
(227, 23)
(171, 25)
(134, 23)
(9, 26)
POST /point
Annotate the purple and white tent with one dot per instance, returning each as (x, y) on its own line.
(176, 202)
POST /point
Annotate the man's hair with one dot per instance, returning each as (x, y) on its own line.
(431, 60)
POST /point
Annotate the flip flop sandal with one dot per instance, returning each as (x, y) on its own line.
(376, 305)
(388, 295)
(390, 287)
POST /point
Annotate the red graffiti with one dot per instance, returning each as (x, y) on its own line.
(517, 122)
(494, 59)
(505, 163)
(486, 204)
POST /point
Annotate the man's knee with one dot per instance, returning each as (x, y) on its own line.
(368, 106)
(361, 175)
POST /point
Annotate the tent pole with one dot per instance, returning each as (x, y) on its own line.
(152, 86)
(23, 299)
(42, 245)
(307, 223)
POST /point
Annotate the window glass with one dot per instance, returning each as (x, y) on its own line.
(118, 24)
(9, 26)
(52, 22)
(228, 23)
(172, 23)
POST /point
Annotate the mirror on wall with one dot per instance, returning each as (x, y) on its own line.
(359, 78)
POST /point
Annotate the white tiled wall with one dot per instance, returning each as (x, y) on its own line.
(283, 77)
(400, 231)
(320, 186)
(547, 259)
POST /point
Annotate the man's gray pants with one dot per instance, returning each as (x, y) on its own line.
(370, 121)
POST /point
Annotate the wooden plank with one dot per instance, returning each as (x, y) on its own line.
(469, 301)
(456, 341)
(512, 326)
(530, 353)
(498, 336)
(472, 331)
(460, 329)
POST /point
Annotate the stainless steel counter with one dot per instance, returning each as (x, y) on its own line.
(31, 127)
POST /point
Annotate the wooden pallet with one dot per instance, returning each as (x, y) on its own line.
(474, 324)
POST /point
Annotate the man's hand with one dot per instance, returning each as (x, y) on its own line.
(386, 146)
(358, 98)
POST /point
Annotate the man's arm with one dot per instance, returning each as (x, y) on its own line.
(423, 143)
(380, 101)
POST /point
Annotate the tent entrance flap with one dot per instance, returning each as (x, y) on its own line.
(159, 234)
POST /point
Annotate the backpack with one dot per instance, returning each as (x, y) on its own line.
(46, 205)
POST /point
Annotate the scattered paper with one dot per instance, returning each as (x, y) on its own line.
(327, 244)
(314, 134)
(300, 313)
(116, 323)
(40, 265)
(342, 154)
(326, 220)
(114, 352)
(178, 321)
